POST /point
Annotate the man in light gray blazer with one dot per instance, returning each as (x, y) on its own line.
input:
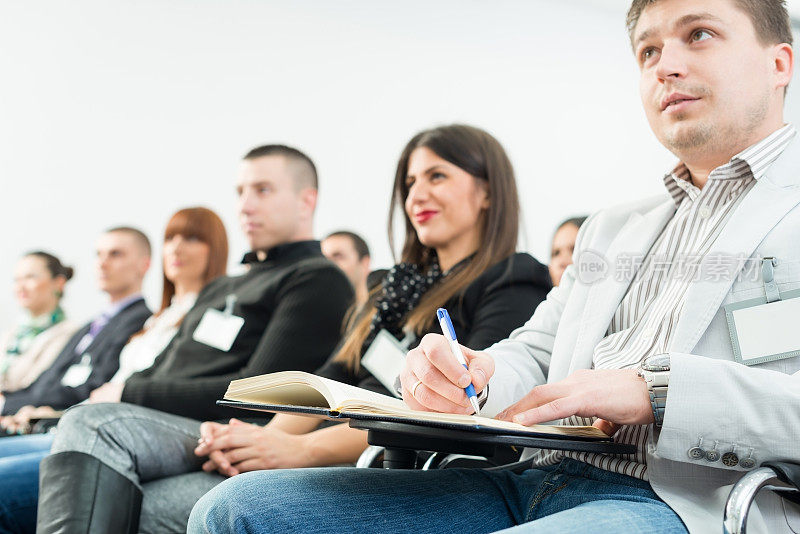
(635, 339)
(712, 85)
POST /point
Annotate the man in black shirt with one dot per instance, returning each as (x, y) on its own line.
(284, 313)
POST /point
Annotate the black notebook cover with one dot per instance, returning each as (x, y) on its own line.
(526, 439)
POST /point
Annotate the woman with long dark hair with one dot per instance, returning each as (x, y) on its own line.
(461, 215)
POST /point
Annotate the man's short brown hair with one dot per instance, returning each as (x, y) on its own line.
(138, 236)
(303, 169)
(769, 17)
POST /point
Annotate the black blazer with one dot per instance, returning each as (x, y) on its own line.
(47, 390)
(497, 302)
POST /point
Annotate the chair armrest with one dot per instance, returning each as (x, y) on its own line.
(744, 491)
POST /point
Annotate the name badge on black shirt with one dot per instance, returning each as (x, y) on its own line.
(219, 329)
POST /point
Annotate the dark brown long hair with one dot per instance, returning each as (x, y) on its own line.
(481, 155)
(205, 225)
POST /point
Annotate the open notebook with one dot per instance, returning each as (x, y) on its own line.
(304, 393)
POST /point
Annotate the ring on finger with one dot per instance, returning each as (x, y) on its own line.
(414, 388)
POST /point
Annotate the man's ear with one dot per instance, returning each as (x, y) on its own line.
(365, 263)
(783, 64)
(145, 265)
(308, 201)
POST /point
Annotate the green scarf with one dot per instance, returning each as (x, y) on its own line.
(25, 334)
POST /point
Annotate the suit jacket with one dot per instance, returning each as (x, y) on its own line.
(47, 390)
(711, 396)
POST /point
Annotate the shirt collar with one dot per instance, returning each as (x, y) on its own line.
(284, 251)
(752, 161)
(115, 308)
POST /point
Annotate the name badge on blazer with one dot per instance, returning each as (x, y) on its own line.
(78, 373)
(219, 329)
(765, 329)
(385, 358)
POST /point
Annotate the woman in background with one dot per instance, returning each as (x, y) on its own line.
(30, 347)
(195, 252)
(563, 246)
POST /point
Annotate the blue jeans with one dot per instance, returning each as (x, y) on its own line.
(19, 480)
(568, 497)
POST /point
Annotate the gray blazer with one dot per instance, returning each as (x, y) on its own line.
(710, 395)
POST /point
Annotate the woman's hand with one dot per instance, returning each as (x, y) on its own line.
(240, 447)
(21, 421)
(434, 381)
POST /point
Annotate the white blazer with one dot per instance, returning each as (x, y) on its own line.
(710, 395)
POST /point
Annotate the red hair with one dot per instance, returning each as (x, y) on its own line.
(205, 225)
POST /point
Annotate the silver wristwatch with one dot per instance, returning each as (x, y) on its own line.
(655, 372)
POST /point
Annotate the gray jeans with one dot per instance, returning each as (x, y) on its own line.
(153, 449)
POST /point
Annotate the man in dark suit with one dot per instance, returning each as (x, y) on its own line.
(91, 357)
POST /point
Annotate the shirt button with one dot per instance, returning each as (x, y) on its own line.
(696, 453)
(730, 459)
(705, 212)
(712, 455)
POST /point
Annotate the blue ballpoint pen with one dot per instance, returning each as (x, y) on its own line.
(450, 334)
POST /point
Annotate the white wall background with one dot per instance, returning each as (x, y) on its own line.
(122, 112)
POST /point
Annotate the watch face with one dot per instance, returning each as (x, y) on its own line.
(657, 362)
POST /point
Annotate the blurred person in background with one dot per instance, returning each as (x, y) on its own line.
(30, 347)
(91, 356)
(351, 254)
(195, 252)
(562, 247)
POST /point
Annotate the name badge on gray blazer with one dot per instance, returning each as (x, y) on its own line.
(765, 329)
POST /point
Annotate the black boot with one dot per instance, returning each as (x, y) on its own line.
(80, 494)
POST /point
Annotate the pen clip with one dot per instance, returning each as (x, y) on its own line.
(447, 324)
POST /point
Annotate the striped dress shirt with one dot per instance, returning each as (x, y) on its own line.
(648, 314)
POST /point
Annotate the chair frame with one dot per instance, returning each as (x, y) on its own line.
(737, 507)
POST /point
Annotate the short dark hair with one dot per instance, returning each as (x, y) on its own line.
(358, 242)
(305, 172)
(137, 234)
(769, 17)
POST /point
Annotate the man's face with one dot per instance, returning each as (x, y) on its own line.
(707, 83)
(270, 208)
(341, 251)
(121, 263)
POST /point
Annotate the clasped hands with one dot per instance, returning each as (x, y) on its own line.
(239, 447)
(432, 380)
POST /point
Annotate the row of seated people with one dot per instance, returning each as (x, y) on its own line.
(150, 415)
(646, 354)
